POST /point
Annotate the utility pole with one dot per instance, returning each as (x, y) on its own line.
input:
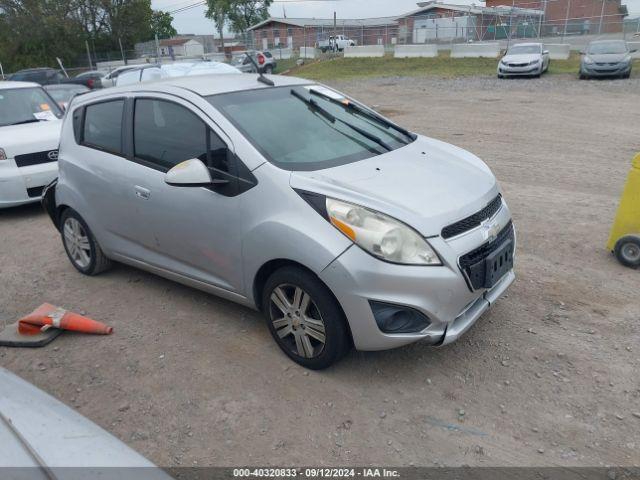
(124, 59)
(335, 31)
(88, 55)
(601, 18)
(157, 49)
(566, 20)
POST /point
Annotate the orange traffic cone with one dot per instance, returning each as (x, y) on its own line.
(48, 316)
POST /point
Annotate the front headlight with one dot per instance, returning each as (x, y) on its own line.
(381, 235)
(3, 156)
(534, 62)
(626, 59)
(588, 60)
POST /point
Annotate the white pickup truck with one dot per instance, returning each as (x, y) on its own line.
(336, 44)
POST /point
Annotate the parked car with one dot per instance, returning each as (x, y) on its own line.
(606, 58)
(524, 59)
(109, 79)
(342, 227)
(265, 61)
(42, 438)
(91, 80)
(64, 92)
(43, 76)
(29, 135)
(149, 73)
(335, 44)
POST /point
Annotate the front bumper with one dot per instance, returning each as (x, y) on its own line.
(509, 71)
(20, 186)
(592, 70)
(440, 293)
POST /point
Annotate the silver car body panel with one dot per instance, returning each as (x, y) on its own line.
(40, 434)
(219, 244)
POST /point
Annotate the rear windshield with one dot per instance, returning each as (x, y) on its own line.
(26, 105)
(607, 47)
(295, 135)
(37, 77)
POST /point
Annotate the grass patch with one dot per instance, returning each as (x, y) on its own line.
(284, 65)
(341, 68)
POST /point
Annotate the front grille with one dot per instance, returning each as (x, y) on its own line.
(469, 261)
(474, 220)
(35, 192)
(36, 158)
(518, 64)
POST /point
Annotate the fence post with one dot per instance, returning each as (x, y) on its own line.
(86, 42)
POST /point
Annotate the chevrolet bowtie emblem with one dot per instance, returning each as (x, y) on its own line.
(490, 230)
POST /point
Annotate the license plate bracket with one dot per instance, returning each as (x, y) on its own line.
(498, 264)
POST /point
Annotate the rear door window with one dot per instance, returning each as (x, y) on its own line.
(103, 126)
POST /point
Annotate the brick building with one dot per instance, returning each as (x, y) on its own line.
(300, 32)
(581, 16)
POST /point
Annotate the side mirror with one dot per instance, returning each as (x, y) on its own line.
(634, 50)
(190, 173)
(581, 52)
(545, 52)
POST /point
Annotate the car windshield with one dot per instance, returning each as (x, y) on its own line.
(524, 49)
(607, 47)
(296, 130)
(26, 105)
(63, 94)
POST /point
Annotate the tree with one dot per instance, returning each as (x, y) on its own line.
(246, 13)
(161, 24)
(218, 11)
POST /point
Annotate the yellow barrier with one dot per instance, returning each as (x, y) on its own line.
(625, 233)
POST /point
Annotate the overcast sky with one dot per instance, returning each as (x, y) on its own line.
(194, 21)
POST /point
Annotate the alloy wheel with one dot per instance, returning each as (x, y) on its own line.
(631, 252)
(77, 242)
(297, 321)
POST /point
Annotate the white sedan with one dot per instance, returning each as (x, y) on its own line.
(524, 59)
(29, 137)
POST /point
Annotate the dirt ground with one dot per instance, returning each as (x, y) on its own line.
(548, 377)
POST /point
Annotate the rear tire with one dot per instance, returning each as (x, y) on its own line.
(304, 318)
(81, 246)
(627, 251)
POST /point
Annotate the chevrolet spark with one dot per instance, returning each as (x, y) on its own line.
(343, 228)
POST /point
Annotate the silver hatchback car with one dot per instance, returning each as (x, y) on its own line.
(288, 197)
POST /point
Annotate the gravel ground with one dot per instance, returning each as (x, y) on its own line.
(547, 377)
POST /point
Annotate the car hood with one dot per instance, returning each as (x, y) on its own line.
(30, 137)
(521, 58)
(427, 184)
(608, 57)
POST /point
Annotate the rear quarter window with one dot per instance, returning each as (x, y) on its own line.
(102, 128)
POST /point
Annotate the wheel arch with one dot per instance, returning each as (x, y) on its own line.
(267, 269)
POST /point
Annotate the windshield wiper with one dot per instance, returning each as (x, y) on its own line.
(314, 105)
(31, 120)
(365, 113)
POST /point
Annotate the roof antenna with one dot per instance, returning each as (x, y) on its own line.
(261, 77)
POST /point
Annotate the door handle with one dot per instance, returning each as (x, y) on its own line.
(142, 192)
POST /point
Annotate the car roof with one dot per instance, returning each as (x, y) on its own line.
(37, 69)
(65, 86)
(9, 84)
(612, 40)
(528, 44)
(203, 85)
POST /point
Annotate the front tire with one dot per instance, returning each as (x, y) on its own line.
(268, 69)
(627, 251)
(81, 246)
(304, 318)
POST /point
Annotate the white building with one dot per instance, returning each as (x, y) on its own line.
(181, 47)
